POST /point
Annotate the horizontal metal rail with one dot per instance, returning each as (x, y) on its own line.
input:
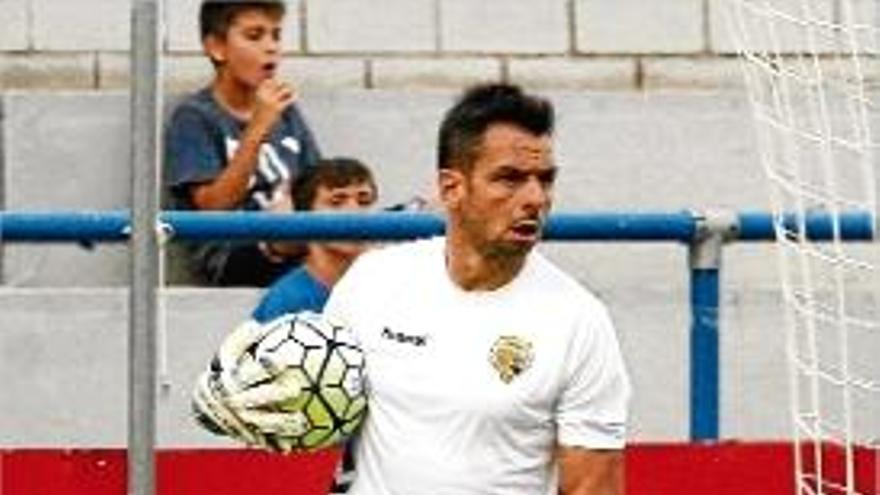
(818, 226)
(114, 226)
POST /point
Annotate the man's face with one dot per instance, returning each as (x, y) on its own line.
(355, 196)
(251, 50)
(500, 203)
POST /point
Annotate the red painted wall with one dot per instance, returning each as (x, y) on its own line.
(652, 469)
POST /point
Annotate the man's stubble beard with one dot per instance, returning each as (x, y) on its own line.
(493, 250)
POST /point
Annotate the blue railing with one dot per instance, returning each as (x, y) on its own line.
(200, 226)
(704, 234)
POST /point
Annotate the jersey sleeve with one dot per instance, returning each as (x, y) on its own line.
(592, 412)
(192, 153)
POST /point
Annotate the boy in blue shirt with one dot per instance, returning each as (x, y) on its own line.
(337, 184)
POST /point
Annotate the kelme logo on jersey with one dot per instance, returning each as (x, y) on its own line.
(511, 356)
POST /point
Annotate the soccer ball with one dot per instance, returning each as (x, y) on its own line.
(322, 366)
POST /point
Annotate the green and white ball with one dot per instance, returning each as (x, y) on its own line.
(321, 359)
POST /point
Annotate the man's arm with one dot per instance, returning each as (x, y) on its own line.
(590, 472)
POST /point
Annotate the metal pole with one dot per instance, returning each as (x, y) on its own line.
(713, 230)
(704, 399)
(144, 249)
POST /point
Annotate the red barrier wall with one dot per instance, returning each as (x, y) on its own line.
(652, 469)
(178, 472)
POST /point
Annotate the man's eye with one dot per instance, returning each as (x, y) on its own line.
(509, 179)
(547, 179)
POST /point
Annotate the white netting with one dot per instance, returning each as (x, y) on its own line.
(811, 71)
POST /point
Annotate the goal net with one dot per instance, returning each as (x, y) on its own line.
(811, 73)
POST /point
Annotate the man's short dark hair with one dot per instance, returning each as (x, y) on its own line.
(215, 16)
(462, 129)
(329, 173)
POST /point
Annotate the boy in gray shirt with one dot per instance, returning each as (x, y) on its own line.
(239, 143)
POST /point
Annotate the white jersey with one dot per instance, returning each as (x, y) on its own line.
(471, 391)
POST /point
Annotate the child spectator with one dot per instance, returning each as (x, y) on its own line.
(337, 184)
(239, 143)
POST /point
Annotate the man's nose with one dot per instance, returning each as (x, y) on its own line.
(536, 193)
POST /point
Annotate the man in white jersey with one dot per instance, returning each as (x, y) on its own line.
(490, 370)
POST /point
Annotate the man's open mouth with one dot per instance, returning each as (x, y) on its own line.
(528, 229)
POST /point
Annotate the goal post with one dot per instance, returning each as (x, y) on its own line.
(811, 70)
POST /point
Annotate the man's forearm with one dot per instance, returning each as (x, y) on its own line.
(591, 472)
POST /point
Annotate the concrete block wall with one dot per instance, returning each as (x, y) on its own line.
(552, 44)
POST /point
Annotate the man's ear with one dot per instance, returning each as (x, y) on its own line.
(215, 48)
(450, 185)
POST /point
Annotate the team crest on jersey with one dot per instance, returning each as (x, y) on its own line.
(511, 356)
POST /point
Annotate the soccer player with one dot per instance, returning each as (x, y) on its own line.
(490, 370)
(241, 141)
(336, 184)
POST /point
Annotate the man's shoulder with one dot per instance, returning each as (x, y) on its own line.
(379, 276)
(546, 272)
(400, 256)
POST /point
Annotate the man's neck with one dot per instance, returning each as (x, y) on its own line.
(472, 270)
